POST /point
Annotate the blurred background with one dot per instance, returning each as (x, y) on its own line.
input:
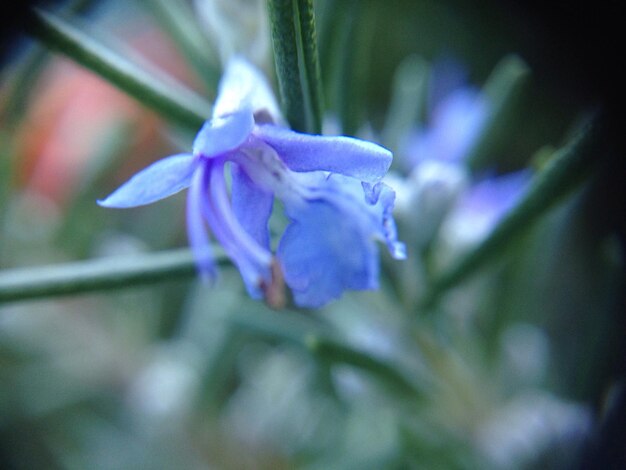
(520, 365)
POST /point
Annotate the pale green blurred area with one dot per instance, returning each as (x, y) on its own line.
(512, 370)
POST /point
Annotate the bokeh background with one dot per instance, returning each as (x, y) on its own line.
(520, 366)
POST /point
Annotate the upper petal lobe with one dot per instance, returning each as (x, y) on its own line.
(344, 155)
(223, 133)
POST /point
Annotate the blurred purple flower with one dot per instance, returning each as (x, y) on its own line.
(481, 207)
(438, 185)
(456, 117)
(455, 124)
(330, 188)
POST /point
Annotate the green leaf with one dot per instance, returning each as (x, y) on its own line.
(285, 45)
(408, 100)
(559, 176)
(166, 96)
(311, 65)
(95, 275)
(348, 59)
(503, 90)
(334, 351)
(294, 41)
(321, 341)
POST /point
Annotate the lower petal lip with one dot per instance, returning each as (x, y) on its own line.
(162, 179)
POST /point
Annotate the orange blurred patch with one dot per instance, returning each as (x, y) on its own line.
(71, 111)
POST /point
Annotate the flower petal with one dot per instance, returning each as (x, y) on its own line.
(243, 87)
(196, 230)
(448, 74)
(330, 245)
(252, 206)
(369, 205)
(344, 155)
(252, 259)
(224, 133)
(386, 198)
(456, 124)
(476, 213)
(323, 252)
(483, 205)
(158, 181)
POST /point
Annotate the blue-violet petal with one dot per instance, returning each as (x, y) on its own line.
(344, 155)
(252, 206)
(223, 134)
(158, 181)
(323, 252)
(196, 229)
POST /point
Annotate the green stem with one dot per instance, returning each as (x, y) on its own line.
(171, 99)
(285, 326)
(320, 340)
(558, 177)
(94, 275)
(285, 45)
(333, 351)
(310, 59)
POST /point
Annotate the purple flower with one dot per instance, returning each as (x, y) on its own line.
(439, 188)
(434, 153)
(455, 124)
(481, 207)
(329, 186)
